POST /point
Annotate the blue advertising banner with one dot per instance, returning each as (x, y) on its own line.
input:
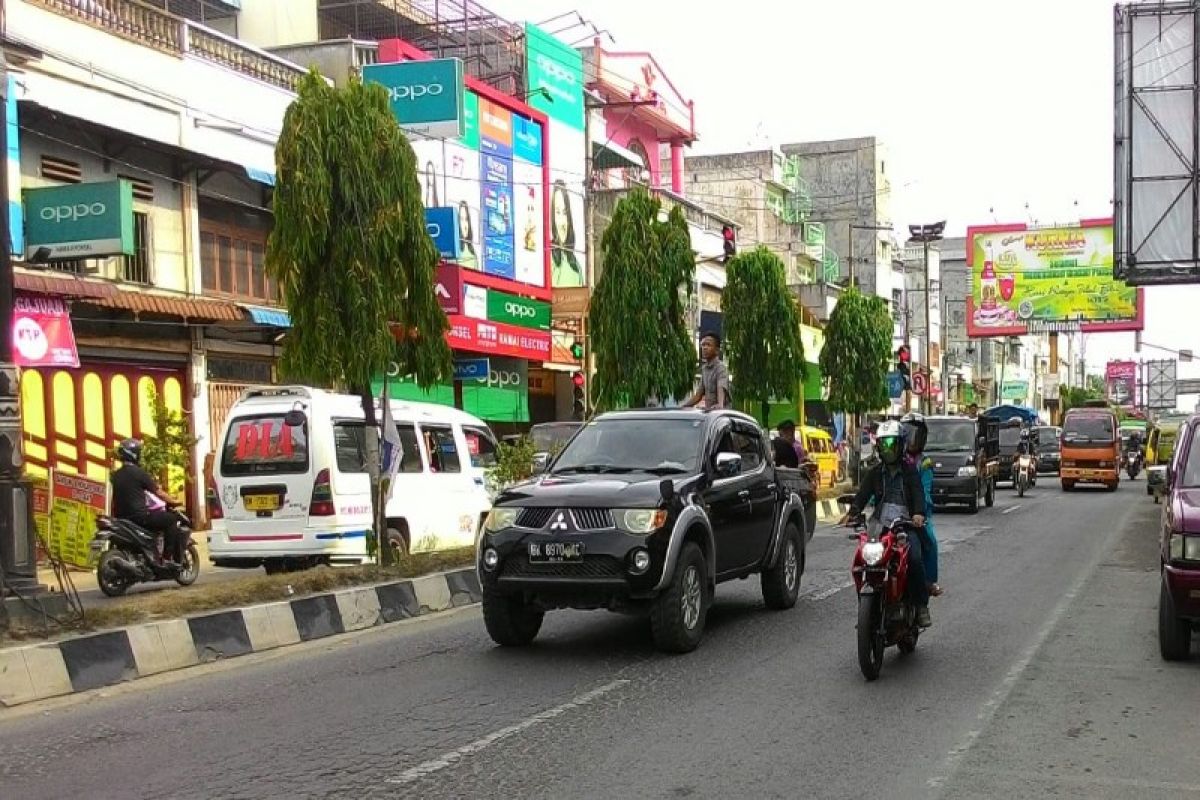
(442, 224)
(497, 205)
(471, 369)
(527, 140)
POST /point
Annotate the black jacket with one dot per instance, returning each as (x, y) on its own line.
(872, 486)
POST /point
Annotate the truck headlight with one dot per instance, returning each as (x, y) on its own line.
(968, 471)
(500, 518)
(640, 520)
(1184, 548)
(872, 553)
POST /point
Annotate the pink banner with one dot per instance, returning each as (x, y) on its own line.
(1121, 379)
(498, 338)
(41, 332)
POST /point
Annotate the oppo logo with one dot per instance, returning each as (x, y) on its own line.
(553, 68)
(433, 229)
(503, 378)
(415, 91)
(73, 213)
(518, 310)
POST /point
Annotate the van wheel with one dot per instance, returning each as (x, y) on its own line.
(275, 566)
(1174, 634)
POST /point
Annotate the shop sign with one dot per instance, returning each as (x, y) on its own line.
(41, 332)
(76, 502)
(442, 226)
(470, 369)
(514, 310)
(239, 370)
(571, 301)
(554, 77)
(84, 220)
(498, 338)
(426, 97)
(449, 289)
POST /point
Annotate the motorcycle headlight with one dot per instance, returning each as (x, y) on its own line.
(872, 553)
(500, 518)
(640, 520)
(968, 471)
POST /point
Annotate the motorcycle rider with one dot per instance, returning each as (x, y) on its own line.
(1134, 445)
(130, 485)
(914, 433)
(897, 491)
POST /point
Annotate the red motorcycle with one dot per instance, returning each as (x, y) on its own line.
(880, 569)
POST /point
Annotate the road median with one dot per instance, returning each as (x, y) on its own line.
(181, 629)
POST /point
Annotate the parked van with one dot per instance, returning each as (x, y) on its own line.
(292, 496)
(819, 446)
(1090, 448)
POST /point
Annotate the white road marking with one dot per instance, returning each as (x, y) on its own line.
(829, 592)
(1010, 509)
(454, 756)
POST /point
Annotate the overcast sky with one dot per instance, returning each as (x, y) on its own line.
(989, 111)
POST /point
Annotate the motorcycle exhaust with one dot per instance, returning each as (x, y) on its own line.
(125, 565)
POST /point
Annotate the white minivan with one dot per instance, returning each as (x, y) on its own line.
(293, 496)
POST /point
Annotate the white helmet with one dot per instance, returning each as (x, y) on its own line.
(887, 442)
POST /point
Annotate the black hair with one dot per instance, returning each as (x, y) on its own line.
(716, 337)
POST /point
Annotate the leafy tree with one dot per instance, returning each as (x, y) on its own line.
(167, 455)
(857, 352)
(762, 328)
(350, 251)
(637, 322)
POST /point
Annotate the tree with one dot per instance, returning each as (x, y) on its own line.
(857, 352)
(350, 251)
(637, 324)
(762, 328)
(167, 455)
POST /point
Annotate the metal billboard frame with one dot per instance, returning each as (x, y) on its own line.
(1156, 163)
(1161, 385)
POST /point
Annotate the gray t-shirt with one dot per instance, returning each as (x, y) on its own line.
(713, 374)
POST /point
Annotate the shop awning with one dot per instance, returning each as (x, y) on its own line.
(260, 176)
(61, 284)
(610, 155)
(189, 308)
(271, 317)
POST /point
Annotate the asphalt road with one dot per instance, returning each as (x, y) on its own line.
(1041, 678)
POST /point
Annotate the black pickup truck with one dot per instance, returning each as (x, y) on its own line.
(964, 455)
(644, 511)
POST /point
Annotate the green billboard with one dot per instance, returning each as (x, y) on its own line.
(554, 77)
(84, 220)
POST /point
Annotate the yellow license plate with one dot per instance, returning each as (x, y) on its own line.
(261, 502)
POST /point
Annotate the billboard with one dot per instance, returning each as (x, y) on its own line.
(426, 97)
(1042, 280)
(492, 176)
(82, 220)
(1120, 381)
(554, 83)
(1156, 189)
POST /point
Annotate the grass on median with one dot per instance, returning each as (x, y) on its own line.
(172, 603)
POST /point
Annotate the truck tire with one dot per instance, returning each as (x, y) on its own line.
(781, 583)
(1174, 633)
(510, 621)
(677, 618)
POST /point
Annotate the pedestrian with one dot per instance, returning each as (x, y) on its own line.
(787, 449)
(713, 391)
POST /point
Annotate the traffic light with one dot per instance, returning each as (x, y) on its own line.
(902, 359)
(579, 396)
(577, 350)
(730, 241)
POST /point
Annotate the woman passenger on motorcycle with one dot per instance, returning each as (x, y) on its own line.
(915, 433)
(897, 492)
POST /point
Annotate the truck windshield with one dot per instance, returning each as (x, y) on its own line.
(950, 435)
(1088, 429)
(629, 445)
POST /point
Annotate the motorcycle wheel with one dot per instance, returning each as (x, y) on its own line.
(191, 567)
(1021, 486)
(870, 639)
(989, 496)
(109, 578)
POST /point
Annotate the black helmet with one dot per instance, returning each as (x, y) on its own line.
(914, 432)
(129, 451)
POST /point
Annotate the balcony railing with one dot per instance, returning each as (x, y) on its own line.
(177, 36)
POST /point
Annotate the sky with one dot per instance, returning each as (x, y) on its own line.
(989, 112)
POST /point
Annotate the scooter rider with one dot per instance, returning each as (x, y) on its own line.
(130, 484)
(914, 433)
(896, 488)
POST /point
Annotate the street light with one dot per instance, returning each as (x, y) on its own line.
(925, 234)
(850, 244)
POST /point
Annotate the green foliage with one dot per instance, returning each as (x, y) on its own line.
(514, 463)
(1074, 397)
(637, 321)
(762, 328)
(167, 455)
(857, 353)
(349, 247)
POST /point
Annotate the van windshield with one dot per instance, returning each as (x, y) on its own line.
(950, 435)
(264, 445)
(1088, 429)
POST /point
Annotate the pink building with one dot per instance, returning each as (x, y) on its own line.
(645, 114)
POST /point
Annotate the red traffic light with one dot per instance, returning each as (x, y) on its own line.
(577, 379)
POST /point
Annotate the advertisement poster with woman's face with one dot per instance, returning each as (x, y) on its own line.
(528, 209)
(462, 194)
(431, 171)
(568, 255)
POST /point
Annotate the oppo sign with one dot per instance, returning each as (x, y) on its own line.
(414, 91)
(81, 220)
(425, 96)
(514, 310)
(520, 310)
(57, 214)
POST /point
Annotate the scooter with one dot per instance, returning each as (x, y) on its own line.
(128, 554)
(880, 570)
(1133, 464)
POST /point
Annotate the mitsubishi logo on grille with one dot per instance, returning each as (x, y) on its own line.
(560, 522)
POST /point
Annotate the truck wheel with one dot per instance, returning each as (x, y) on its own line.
(1068, 485)
(1174, 634)
(989, 494)
(510, 621)
(677, 618)
(781, 583)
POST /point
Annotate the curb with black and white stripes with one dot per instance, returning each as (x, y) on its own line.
(38, 672)
(828, 509)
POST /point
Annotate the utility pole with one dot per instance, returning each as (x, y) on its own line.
(18, 554)
(925, 234)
